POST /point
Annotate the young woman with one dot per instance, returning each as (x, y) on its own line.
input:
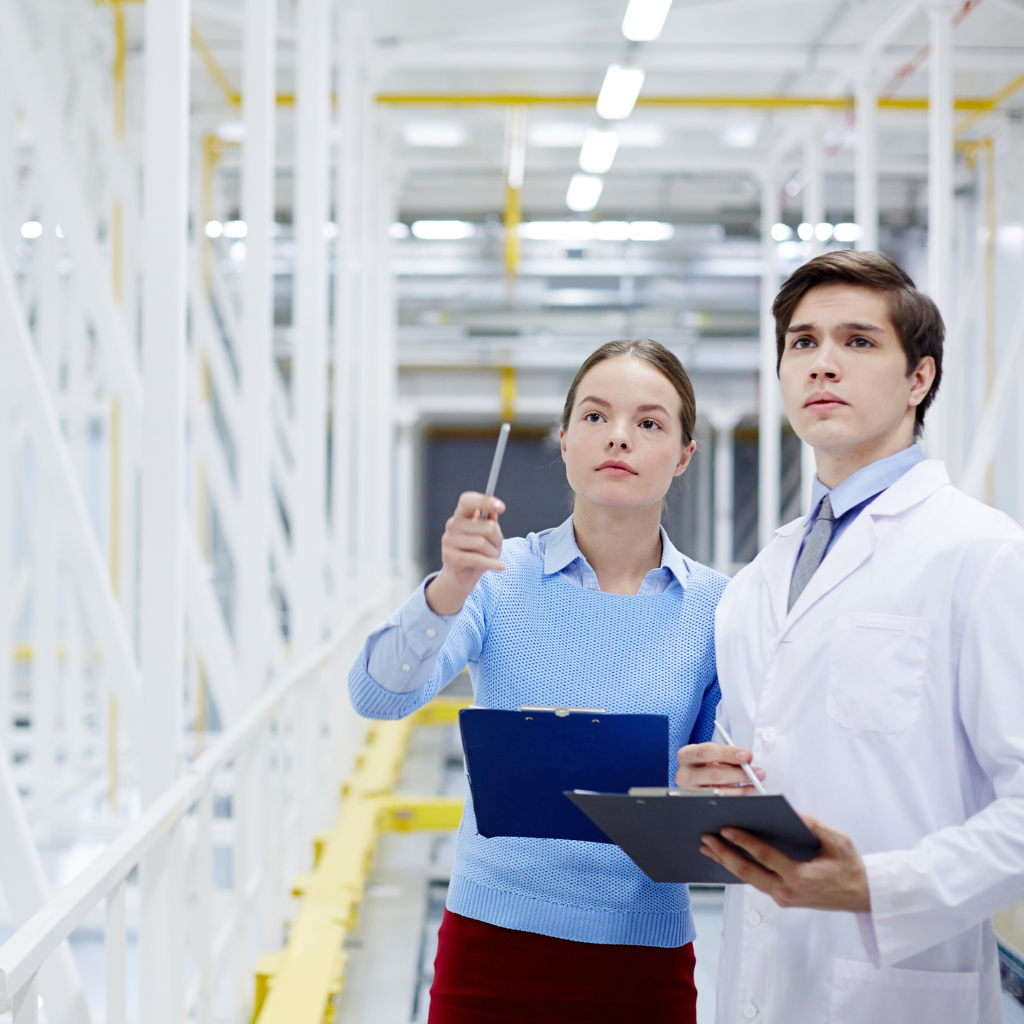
(604, 612)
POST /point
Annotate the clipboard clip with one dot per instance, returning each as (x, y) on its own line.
(563, 712)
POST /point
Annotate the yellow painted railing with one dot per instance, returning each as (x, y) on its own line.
(297, 985)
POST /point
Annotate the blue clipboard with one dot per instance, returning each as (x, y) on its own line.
(520, 763)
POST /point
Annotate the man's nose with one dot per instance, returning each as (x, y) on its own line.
(824, 366)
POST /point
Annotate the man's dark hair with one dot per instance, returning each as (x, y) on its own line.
(916, 318)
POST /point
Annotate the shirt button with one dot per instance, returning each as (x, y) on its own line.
(768, 734)
(750, 1011)
(405, 668)
(431, 632)
(753, 919)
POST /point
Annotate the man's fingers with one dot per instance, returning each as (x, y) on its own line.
(745, 870)
(758, 849)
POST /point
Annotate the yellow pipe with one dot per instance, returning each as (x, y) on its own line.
(215, 71)
(994, 101)
(977, 103)
(113, 766)
(212, 148)
(508, 394)
(513, 218)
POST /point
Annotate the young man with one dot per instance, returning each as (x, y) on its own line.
(871, 661)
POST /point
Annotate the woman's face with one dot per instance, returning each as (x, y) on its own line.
(624, 442)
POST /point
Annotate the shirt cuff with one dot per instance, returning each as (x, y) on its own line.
(422, 628)
(879, 929)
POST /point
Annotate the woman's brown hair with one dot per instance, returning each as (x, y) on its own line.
(652, 353)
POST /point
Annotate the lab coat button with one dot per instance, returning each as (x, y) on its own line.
(431, 632)
(405, 668)
(768, 734)
(753, 919)
(750, 1011)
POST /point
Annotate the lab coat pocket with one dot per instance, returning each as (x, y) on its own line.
(864, 994)
(876, 671)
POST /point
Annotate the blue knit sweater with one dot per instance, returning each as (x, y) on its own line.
(531, 638)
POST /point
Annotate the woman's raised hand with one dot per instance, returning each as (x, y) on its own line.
(471, 545)
(715, 764)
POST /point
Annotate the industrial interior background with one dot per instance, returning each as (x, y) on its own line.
(271, 274)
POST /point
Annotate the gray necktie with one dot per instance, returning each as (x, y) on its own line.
(814, 550)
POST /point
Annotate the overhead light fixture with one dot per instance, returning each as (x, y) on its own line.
(398, 230)
(556, 134)
(640, 134)
(235, 229)
(644, 19)
(823, 231)
(601, 231)
(445, 134)
(231, 131)
(598, 152)
(619, 92)
(782, 232)
(446, 230)
(584, 192)
(846, 232)
(214, 229)
(805, 231)
(31, 229)
(741, 136)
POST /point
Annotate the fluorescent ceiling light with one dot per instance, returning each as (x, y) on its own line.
(640, 135)
(782, 232)
(644, 19)
(823, 231)
(434, 133)
(235, 229)
(31, 229)
(741, 136)
(650, 231)
(846, 232)
(619, 92)
(231, 131)
(442, 229)
(237, 251)
(398, 230)
(556, 134)
(330, 229)
(558, 230)
(598, 152)
(584, 192)
(602, 231)
(214, 229)
(805, 231)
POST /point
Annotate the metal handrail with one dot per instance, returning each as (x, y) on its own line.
(30, 946)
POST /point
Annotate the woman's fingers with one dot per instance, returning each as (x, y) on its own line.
(472, 505)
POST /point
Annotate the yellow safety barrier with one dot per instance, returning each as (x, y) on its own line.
(297, 985)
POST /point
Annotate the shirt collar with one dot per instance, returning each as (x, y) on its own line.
(561, 549)
(866, 482)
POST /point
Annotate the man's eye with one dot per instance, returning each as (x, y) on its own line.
(804, 343)
(861, 342)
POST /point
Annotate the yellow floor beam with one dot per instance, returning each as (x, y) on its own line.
(297, 985)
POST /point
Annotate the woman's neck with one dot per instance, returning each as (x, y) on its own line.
(622, 546)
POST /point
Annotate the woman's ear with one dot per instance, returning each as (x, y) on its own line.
(684, 459)
(561, 441)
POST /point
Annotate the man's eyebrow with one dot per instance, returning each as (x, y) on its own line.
(795, 328)
(596, 401)
(653, 408)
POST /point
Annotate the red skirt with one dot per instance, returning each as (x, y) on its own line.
(484, 974)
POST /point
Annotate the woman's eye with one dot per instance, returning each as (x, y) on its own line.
(650, 424)
(593, 417)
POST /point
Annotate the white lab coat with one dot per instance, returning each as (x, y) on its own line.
(890, 703)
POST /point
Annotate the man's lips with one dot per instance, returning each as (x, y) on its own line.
(615, 468)
(824, 402)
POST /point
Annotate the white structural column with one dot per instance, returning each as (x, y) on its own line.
(254, 624)
(166, 110)
(865, 203)
(769, 463)
(814, 213)
(940, 155)
(309, 331)
(724, 423)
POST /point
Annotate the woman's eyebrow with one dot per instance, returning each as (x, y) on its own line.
(596, 401)
(652, 408)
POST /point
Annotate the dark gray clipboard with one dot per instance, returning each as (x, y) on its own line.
(661, 834)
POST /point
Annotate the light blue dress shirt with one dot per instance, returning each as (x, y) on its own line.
(402, 650)
(856, 492)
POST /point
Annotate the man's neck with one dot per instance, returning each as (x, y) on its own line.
(622, 546)
(836, 466)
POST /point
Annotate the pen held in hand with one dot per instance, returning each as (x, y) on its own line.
(499, 454)
(748, 771)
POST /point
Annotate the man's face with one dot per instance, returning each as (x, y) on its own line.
(844, 373)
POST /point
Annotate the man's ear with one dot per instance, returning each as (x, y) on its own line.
(684, 459)
(921, 379)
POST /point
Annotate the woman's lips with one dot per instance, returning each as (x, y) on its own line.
(613, 468)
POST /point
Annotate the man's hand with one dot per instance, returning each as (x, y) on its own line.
(714, 764)
(471, 545)
(834, 880)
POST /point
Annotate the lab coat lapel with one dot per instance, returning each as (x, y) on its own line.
(777, 563)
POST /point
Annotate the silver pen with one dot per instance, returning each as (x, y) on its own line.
(499, 454)
(746, 767)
